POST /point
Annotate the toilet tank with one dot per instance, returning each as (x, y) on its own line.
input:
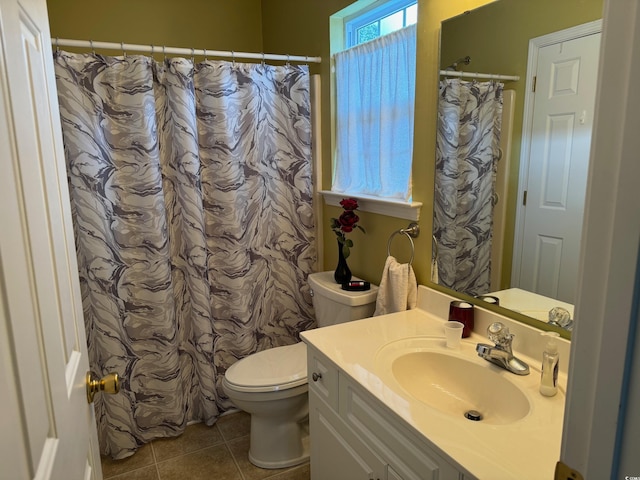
(334, 305)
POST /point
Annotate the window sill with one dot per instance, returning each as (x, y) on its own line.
(391, 208)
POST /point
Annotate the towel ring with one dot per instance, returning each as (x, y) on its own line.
(411, 232)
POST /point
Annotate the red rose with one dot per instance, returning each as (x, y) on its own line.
(347, 221)
(349, 204)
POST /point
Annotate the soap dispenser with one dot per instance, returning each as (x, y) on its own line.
(550, 357)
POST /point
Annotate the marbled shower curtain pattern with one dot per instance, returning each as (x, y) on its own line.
(191, 194)
(467, 152)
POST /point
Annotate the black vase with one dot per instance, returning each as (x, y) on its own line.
(342, 273)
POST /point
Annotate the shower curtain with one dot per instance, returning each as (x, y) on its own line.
(467, 151)
(191, 194)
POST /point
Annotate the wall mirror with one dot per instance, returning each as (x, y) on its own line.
(493, 212)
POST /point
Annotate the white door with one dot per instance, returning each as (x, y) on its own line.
(48, 428)
(563, 112)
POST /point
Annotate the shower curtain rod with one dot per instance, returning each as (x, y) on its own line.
(65, 42)
(490, 76)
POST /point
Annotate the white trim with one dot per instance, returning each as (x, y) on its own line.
(383, 206)
(316, 154)
(608, 258)
(535, 44)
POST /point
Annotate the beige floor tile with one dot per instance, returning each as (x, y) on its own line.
(195, 437)
(240, 451)
(209, 463)
(234, 425)
(303, 472)
(142, 458)
(144, 473)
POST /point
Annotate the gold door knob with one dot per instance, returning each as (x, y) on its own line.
(108, 384)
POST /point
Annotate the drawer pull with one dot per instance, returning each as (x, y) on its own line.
(316, 376)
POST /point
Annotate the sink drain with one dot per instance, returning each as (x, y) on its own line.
(473, 415)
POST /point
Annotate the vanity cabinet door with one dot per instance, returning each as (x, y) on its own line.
(409, 457)
(323, 377)
(336, 454)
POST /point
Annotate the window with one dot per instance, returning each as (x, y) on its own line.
(374, 105)
(384, 19)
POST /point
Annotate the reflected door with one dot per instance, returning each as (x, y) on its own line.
(563, 113)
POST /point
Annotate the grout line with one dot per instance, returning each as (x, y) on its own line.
(235, 462)
(153, 452)
(155, 460)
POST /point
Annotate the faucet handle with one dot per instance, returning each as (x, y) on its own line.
(560, 317)
(499, 334)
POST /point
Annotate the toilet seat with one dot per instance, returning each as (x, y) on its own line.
(278, 368)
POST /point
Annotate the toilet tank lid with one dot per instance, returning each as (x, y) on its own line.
(322, 283)
(277, 368)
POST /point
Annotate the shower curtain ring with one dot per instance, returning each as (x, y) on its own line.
(263, 59)
(123, 51)
(288, 60)
(152, 50)
(164, 53)
(192, 55)
(205, 54)
(92, 49)
(233, 59)
(57, 44)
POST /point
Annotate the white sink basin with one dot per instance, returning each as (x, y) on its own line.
(453, 382)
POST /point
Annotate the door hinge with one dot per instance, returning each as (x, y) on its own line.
(524, 198)
(564, 472)
(535, 80)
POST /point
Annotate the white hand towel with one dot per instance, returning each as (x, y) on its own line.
(398, 289)
(434, 270)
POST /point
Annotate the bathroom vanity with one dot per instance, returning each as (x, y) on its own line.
(375, 413)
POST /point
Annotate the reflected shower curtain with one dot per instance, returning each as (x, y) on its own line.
(191, 193)
(467, 151)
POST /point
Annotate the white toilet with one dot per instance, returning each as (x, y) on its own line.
(272, 386)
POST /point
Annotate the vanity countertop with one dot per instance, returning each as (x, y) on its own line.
(525, 449)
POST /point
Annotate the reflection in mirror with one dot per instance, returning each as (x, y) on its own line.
(511, 163)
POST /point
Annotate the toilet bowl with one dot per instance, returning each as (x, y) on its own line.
(272, 387)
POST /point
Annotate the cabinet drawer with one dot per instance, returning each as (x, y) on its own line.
(323, 377)
(412, 458)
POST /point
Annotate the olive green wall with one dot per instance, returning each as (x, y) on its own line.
(496, 37)
(216, 24)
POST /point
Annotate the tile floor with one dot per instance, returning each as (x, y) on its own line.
(200, 453)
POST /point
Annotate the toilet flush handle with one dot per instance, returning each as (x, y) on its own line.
(316, 376)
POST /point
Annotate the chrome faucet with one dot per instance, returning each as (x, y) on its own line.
(500, 354)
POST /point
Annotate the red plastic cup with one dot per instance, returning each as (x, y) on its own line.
(462, 312)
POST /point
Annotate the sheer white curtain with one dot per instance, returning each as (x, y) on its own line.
(375, 95)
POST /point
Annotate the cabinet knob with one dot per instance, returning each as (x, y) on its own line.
(316, 376)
